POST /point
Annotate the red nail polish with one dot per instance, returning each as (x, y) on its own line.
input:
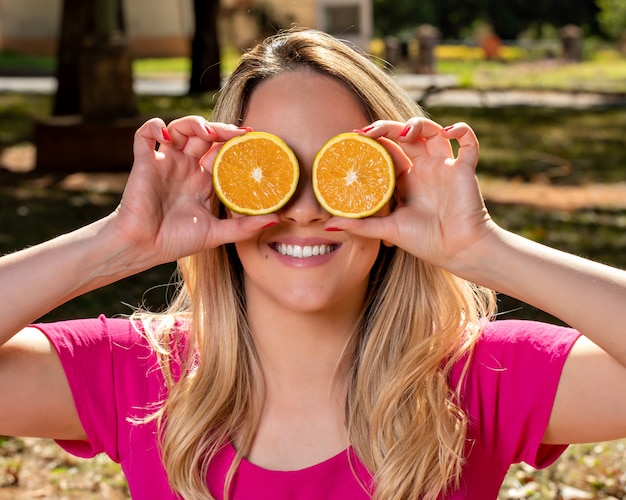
(247, 129)
(165, 134)
(405, 131)
(364, 130)
(336, 229)
(268, 225)
(209, 130)
(448, 128)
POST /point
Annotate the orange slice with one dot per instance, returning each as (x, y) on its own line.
(255, 173)
(353, 176)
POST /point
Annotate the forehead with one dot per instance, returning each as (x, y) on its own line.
(304, 107)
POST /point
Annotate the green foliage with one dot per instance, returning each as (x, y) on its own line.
(612, 17)
(454, 17)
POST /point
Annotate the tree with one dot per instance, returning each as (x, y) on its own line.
(612, 17)
(95, 113)
(94, 67)
(509, 19)
(205, 48)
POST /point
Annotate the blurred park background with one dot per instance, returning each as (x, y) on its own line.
(542, 83)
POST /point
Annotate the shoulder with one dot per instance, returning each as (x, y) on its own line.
(516, 347)
(94, 333)
(518, 339)
(508, 387)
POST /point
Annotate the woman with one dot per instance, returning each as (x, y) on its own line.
(372, 370)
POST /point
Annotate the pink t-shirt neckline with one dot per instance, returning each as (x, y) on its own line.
(340, 472)
(329, 462)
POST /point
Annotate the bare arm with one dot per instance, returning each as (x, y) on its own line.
(36, 399)
(591, 297)
(163, 215)
(38, 279)
(36, 396)
(442, 219)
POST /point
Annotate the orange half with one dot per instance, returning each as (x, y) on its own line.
(353, 176)
(255, 173)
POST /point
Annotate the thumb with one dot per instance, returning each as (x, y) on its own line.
(241, 228)
(379, 228)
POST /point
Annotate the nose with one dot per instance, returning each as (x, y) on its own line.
(303, 208)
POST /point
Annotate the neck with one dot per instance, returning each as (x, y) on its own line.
(302, 348)
(302, 355)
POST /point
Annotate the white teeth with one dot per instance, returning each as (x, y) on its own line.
(303, 252)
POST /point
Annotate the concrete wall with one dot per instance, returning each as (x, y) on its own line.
(29, 26)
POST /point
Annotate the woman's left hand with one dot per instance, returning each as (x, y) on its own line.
(440, 209)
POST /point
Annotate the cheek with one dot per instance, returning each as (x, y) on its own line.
(366, 255)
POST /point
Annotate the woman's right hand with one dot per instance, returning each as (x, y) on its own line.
(165, 209)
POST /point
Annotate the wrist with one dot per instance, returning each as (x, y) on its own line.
(483, 261)
(100, 255)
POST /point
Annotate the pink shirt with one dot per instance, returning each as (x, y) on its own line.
(509, 392)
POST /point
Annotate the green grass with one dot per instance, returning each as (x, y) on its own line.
(561, 146)
(601, 75)
(180, 65)
(12, 61)
(586, 76)
(159, 66)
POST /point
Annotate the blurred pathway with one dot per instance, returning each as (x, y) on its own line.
(429, 90)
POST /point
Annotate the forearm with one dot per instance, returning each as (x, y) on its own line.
(36, 280)
(589, 296)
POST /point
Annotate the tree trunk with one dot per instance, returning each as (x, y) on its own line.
(94, 114)
(205, 48)
(74, 25)
(94, 66)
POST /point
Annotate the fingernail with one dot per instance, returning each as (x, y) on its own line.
(209, 129)
(165, 134)
(270, 224)
(405, 131)
(446, 129)
(246, 129)
(364, 129)
(336, 229)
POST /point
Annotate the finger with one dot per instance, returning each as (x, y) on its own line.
(147, 136)
(383, 128)
(223, 132)
(469, 149)
(242, 228)
(426, 135)
(417, 137)
(379, 131)
(401, 161)
(380, 228)
(192, 134)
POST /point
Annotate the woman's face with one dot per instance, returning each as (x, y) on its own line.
(296, 263)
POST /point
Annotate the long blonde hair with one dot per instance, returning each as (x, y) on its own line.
(404, 420)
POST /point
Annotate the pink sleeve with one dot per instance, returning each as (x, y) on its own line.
(111, 374)
(511, 386)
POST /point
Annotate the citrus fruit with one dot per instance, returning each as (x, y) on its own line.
(353, 176)
(255, 173)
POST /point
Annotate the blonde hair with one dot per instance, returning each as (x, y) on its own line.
(405, 422)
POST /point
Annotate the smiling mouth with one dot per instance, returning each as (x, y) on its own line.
(303, 252)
